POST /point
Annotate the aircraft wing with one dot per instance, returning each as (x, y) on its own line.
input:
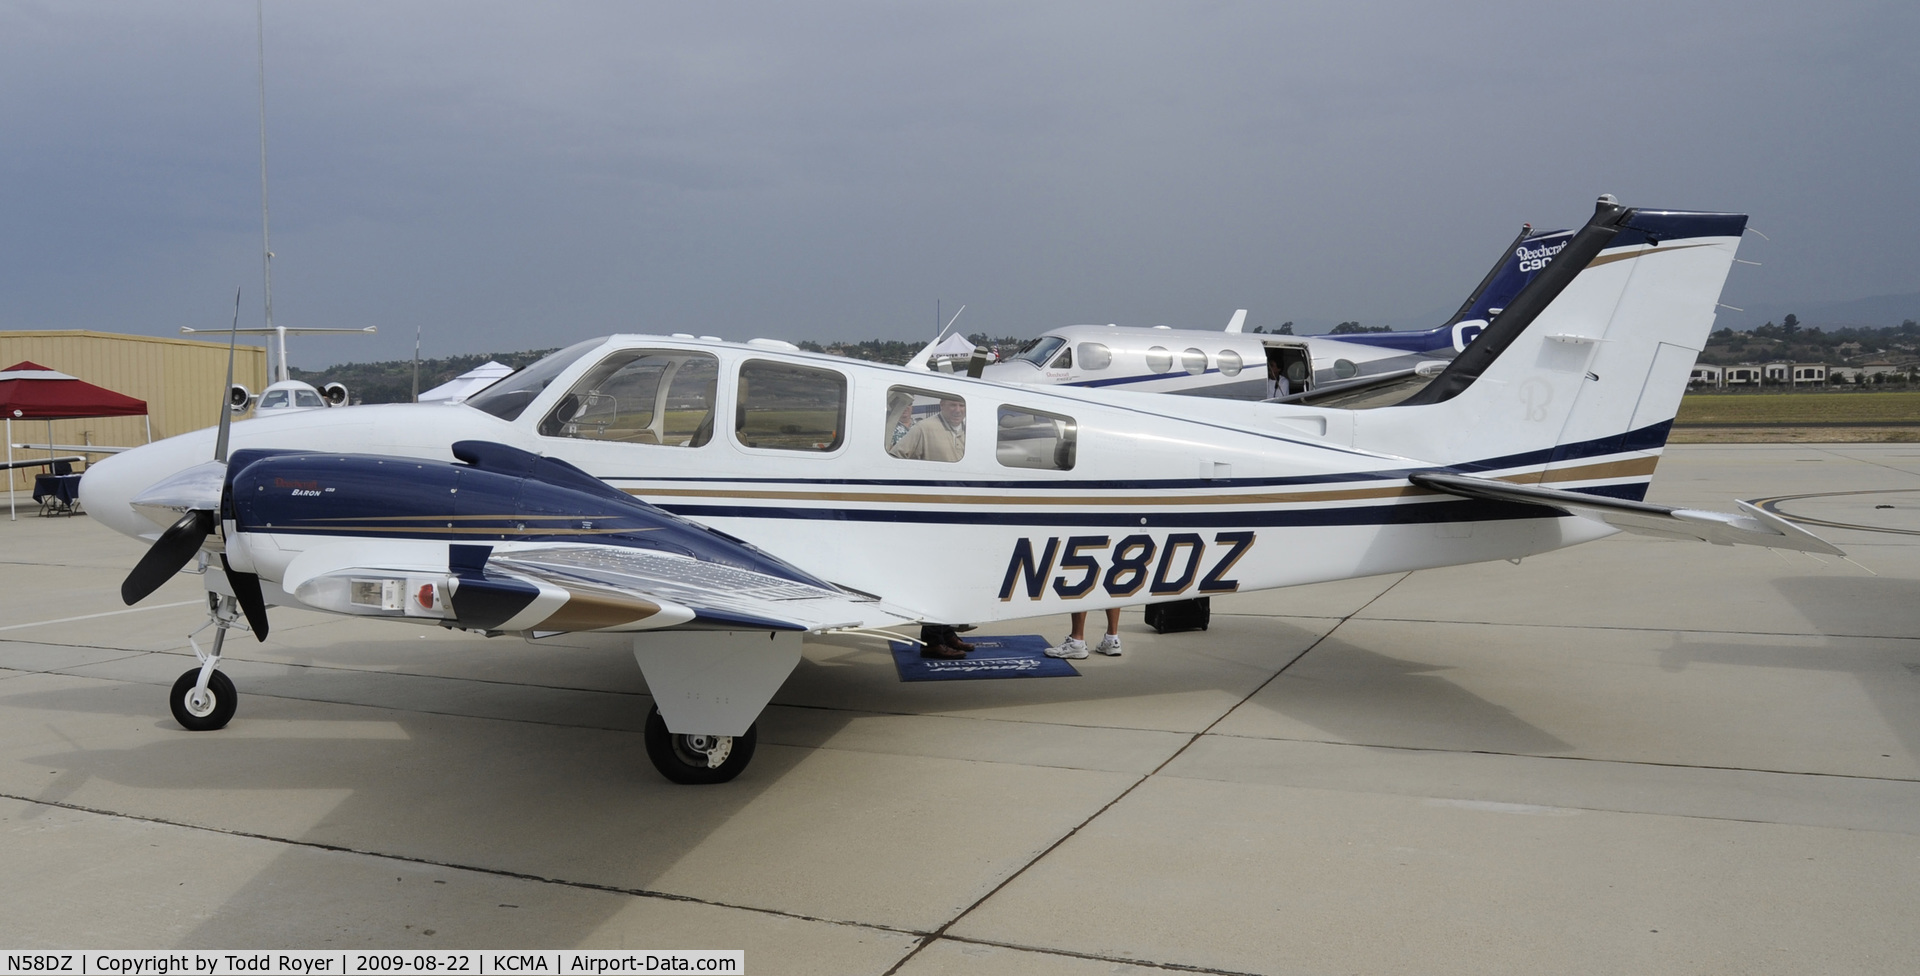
(548, 588)
(1754, 528)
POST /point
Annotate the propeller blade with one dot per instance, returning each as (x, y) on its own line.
(246, 589)
(174, 549)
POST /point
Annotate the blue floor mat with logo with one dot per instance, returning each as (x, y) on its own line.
(1017, 656)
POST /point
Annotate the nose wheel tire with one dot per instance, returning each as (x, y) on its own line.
(698, 759)
(203, 711)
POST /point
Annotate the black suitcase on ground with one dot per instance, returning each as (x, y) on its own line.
(1168, 618)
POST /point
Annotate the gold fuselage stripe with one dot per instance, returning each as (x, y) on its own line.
(1626, 468)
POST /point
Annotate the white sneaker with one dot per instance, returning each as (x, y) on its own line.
(1109, 645)
(1069, 648)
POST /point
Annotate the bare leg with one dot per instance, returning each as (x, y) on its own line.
(1113, 621)
(1080, 623)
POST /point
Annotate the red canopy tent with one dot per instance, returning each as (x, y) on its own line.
(30, 391)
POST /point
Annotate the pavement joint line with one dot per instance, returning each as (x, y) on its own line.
(455, 866)
(1136, 784)
(1096, 957)
(92, 616)
(1575, 759)
(1612, 627)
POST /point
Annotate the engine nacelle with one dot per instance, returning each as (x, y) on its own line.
(239, 398)
(335, 394)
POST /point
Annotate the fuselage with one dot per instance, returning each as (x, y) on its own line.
(1060, 499)
(1228, 365)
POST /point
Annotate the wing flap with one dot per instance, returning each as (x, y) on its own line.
(1753, 527)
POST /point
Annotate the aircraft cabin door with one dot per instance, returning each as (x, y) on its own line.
(1291, 361)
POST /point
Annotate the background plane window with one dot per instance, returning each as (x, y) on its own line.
(1159, 359)
(1038, 350)
(307, 398)
(1229, 362)
(1034, 439)
(790, 408)
(1095, 355)
(1194, 361)
(640, 396)
(274, 398)
(1064, 360)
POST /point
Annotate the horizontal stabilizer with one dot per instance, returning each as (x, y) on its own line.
(1754, 528)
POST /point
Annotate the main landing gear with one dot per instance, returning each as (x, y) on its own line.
(698, 759)
(203, 698)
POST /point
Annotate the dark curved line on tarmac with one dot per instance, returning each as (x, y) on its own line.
(1771, 507)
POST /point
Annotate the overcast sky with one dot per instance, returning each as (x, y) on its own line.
(512, 176)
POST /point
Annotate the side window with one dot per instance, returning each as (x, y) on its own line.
(1194, 361)
(1229, 362)
(1064, 360)
(1095, 355)
(640, 396)
(1033, 439)
(925, 426)
(783, 407)
(1159, 359)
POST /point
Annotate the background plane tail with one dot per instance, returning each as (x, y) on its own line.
(1584, 369)
(1522, 261)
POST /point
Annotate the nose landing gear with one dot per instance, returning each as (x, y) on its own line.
(203, 699)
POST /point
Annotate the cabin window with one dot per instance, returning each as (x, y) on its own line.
(273, 399)
(507, 398)
(1095, 355)
(1344, 368)
(307, 398)
(1229, 362)
(1038, 350)
(1035, 439)
(1064, 360)
(925, 426)
(783, 407)
(640, 396)
(1159, 359)
(1194, 361)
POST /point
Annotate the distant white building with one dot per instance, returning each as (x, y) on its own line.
(1707, 375)
(1796, 373)
(1745, 374)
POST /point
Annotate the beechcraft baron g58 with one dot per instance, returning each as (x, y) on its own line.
(1233, 364)
(679, 490)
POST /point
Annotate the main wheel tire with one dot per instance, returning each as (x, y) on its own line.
(203, 716)
(683, 758)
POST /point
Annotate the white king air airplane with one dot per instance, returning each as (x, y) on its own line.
(718, 501)
(1234, 364)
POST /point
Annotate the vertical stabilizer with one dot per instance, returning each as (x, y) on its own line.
(1587, 364)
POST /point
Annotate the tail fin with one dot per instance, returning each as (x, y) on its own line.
(1587, 361)
(1524, 259)
(1521, 261)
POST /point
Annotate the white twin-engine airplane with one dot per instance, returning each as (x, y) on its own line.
(1234, 364)
(719, 500)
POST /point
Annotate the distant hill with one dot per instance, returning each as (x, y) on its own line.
(1878, 312)
(392, 382)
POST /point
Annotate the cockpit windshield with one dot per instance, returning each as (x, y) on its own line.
(508, 397)
(1039, 350)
